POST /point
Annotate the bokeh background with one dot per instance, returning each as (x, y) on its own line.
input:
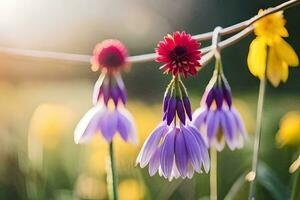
(42, 100)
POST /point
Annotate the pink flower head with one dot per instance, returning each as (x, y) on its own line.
(180, 53)
(110, 55)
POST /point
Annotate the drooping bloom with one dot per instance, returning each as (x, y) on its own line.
(217, 116)
(108, 115)
(175, 148)
(269, 53)
(180, 53)
(289, 131)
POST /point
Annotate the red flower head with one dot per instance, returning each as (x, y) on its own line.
(110, 55)
(180, 53)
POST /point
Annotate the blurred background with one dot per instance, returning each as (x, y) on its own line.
(42, 100)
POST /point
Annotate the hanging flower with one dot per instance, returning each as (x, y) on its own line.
(289, 131)
(180, 53)
(109, 114)
(269, 53)
(109, 55)
(217, 116)
(175, 148)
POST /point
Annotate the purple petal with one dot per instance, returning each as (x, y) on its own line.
(114, 93)
(180, 111)
(126, 126)
(212, 121)
(203, 147)
(218, 95)
(154, 162)
(167, 153)
(228, 124)
(166, 102)
(97, 93)
(193, 148)
(187, 106)
(106, 93)
(108, 124)
(181, 156)
(98, 89)
(227, 95)
(199, 116)
(121, 88)
(150, 145)
(88, 125)
(239, 122)
(122, 94)
(209, 97)
(171, 110)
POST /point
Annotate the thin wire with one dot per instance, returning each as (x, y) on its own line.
(239, 26)
(245, 26)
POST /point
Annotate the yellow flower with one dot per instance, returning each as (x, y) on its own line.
(289, 131)
(131, 189)
(271, 26)
(269, 53)
(88, 187)
(48, 123)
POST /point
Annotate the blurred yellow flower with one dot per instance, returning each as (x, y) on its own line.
(289, 131)
(268, 52)
(88, 187)
(131, 189)
(48, 123)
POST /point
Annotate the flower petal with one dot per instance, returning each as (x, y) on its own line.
(239, 123)
(229, 129)
(126, 126)
(88, 125)
(97, 88)
(274, 67)
(203, 148)
(193, 149)
(212, 121)
(286, 52)
(150, 145)
(171, 110)
(199, 116)
(181, 156)
(167, 153)
(154, 162)
(108, 124)
(284, 72)
(257, 57)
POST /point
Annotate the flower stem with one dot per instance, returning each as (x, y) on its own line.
(213, 174)
(296, 185)
(111, 175)
(260, 103)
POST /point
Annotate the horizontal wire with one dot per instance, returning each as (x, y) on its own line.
(245, 26)
(241, 25)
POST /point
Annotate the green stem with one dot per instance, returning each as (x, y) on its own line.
(296, 186)
(111, 175)
(260, 103)
(213, 174)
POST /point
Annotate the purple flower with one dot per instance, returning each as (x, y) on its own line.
(109, 87)
(105, 118)
(175, 150)
(220, 120)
